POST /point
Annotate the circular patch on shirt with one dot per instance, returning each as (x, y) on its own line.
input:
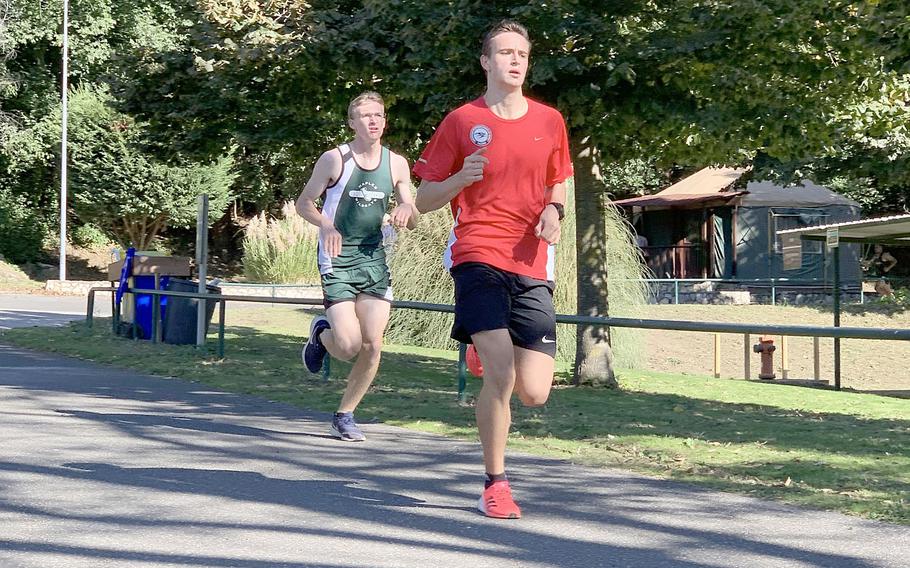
(481, 135)
(366, 194)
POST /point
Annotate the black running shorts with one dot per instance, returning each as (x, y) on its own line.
(487, 298)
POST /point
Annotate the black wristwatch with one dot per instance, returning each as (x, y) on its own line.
(560, 209)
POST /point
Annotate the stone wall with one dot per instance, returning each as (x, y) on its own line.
(696, 293)
(713, 292)
(81, 288)
(74, 287)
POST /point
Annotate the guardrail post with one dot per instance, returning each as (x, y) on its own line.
(676, 291)
(90, 309)
(135, 325)
(784, 357)
(716, 355)
(837, 287)
(816, 359)
(327, 368)
(115, 320)
(156, 311)
(462, 366)
(747, 356)
(221, 312)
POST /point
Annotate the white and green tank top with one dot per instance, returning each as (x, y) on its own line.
(356, 203)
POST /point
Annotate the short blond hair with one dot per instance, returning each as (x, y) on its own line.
(365, 97)
(502, 27)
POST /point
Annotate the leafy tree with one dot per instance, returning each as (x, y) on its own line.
(30, 67)
(232, 79)
(124, 190)
(688, 81)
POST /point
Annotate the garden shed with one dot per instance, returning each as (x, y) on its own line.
(705, 227)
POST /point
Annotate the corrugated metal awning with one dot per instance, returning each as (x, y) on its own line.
(894, 230)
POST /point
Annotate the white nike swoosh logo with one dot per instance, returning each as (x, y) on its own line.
(538, 139)
(545, 340)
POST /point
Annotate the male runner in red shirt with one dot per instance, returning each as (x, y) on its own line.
(501, 161)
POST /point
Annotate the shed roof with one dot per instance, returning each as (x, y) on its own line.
(703, 187)
(806, 194)
(712, 186)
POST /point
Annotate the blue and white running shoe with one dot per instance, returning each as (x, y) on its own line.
(344, 427)
(314, 351)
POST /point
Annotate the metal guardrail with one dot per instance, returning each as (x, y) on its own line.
(674, 325)
(774, 285)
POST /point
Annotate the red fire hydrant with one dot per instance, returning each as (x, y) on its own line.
(766, 347)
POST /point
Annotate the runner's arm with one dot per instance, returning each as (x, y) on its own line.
(325, 172)
(432, 195)
(406, 213)
(548, 225)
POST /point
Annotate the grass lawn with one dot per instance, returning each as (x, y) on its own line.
(843, 451)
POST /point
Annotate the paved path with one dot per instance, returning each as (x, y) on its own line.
(24, 310)
(101, 467)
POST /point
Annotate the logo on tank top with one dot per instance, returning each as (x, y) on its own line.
(481, 135)
(366, 194)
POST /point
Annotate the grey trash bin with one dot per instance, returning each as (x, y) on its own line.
(179, 327)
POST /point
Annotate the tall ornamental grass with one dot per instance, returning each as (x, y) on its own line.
(628, 293)
(418, 275)
(281, 250)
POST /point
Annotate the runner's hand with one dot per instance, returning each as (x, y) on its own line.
(331, 239)
(401, 215)
(472, 170)
(548, 226)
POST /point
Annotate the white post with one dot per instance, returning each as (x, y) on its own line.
(816, 365)
(784, 357)
(202, 257)
(747, 355)
(63, 160)
(716, 355)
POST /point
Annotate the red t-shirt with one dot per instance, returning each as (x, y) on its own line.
(495, 218)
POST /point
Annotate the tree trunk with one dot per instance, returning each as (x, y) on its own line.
(593, 356)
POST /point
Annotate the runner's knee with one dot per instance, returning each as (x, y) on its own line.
(347, 347)
(534, 398)
(371, 347)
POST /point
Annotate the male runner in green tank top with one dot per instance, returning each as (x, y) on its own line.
(357, 180)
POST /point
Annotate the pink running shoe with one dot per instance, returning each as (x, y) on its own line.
(473, 361)
(497, 502)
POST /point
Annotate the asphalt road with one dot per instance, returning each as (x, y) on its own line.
(101, 467)
(24, 310)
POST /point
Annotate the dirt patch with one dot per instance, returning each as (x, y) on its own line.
(81, 264)
(865, 364)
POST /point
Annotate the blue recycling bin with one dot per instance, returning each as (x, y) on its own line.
(144, 313)
(180, 316)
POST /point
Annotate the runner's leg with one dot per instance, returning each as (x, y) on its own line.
(372, 313)
(533, 376)
(343, 340)
(492, 407)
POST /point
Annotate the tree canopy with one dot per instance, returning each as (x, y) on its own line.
(816, 88)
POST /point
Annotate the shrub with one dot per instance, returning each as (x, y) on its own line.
(22, 232)
(281, 250)
(126, 191)
(89, 236)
